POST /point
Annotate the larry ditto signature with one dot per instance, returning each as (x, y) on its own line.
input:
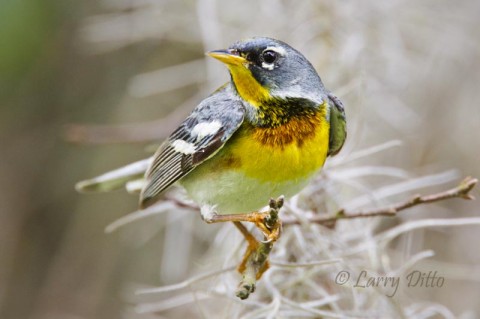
(414, 278)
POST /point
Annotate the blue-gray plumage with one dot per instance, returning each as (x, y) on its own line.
(185, 148)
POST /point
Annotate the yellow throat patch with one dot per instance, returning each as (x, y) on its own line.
(247, 86)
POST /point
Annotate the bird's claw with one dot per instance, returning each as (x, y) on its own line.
(269, 223)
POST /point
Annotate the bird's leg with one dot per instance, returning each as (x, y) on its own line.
(252, 245)
(255, 261)
(268, 222)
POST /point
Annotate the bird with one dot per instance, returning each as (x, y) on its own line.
(263, 134)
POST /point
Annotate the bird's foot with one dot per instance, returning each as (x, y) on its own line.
(255, 260)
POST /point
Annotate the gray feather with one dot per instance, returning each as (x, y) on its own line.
(171, 162)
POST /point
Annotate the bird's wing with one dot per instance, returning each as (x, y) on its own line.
(197, 139)
(338, 125)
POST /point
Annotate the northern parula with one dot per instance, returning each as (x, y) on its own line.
(263, 134)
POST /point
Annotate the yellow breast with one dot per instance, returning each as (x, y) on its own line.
(289, 152)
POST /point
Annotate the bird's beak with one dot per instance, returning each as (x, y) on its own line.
(230, 57)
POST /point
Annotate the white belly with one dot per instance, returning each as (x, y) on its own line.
(231, 192)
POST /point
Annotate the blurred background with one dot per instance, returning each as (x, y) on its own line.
(85, 87)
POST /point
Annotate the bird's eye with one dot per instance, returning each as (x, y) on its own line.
(269, 56)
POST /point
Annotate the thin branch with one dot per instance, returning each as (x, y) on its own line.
(257, 262)
(255, 265)
(461, 191)
(185, 283)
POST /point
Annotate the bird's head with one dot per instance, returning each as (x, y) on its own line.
(264, 68)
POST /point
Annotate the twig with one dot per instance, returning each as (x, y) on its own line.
(257, 262)
(461, 191)
(185, 283)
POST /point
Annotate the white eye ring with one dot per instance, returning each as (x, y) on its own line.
(277, 51)
(268, 66)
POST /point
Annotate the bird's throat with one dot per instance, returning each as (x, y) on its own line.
(247, 86)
